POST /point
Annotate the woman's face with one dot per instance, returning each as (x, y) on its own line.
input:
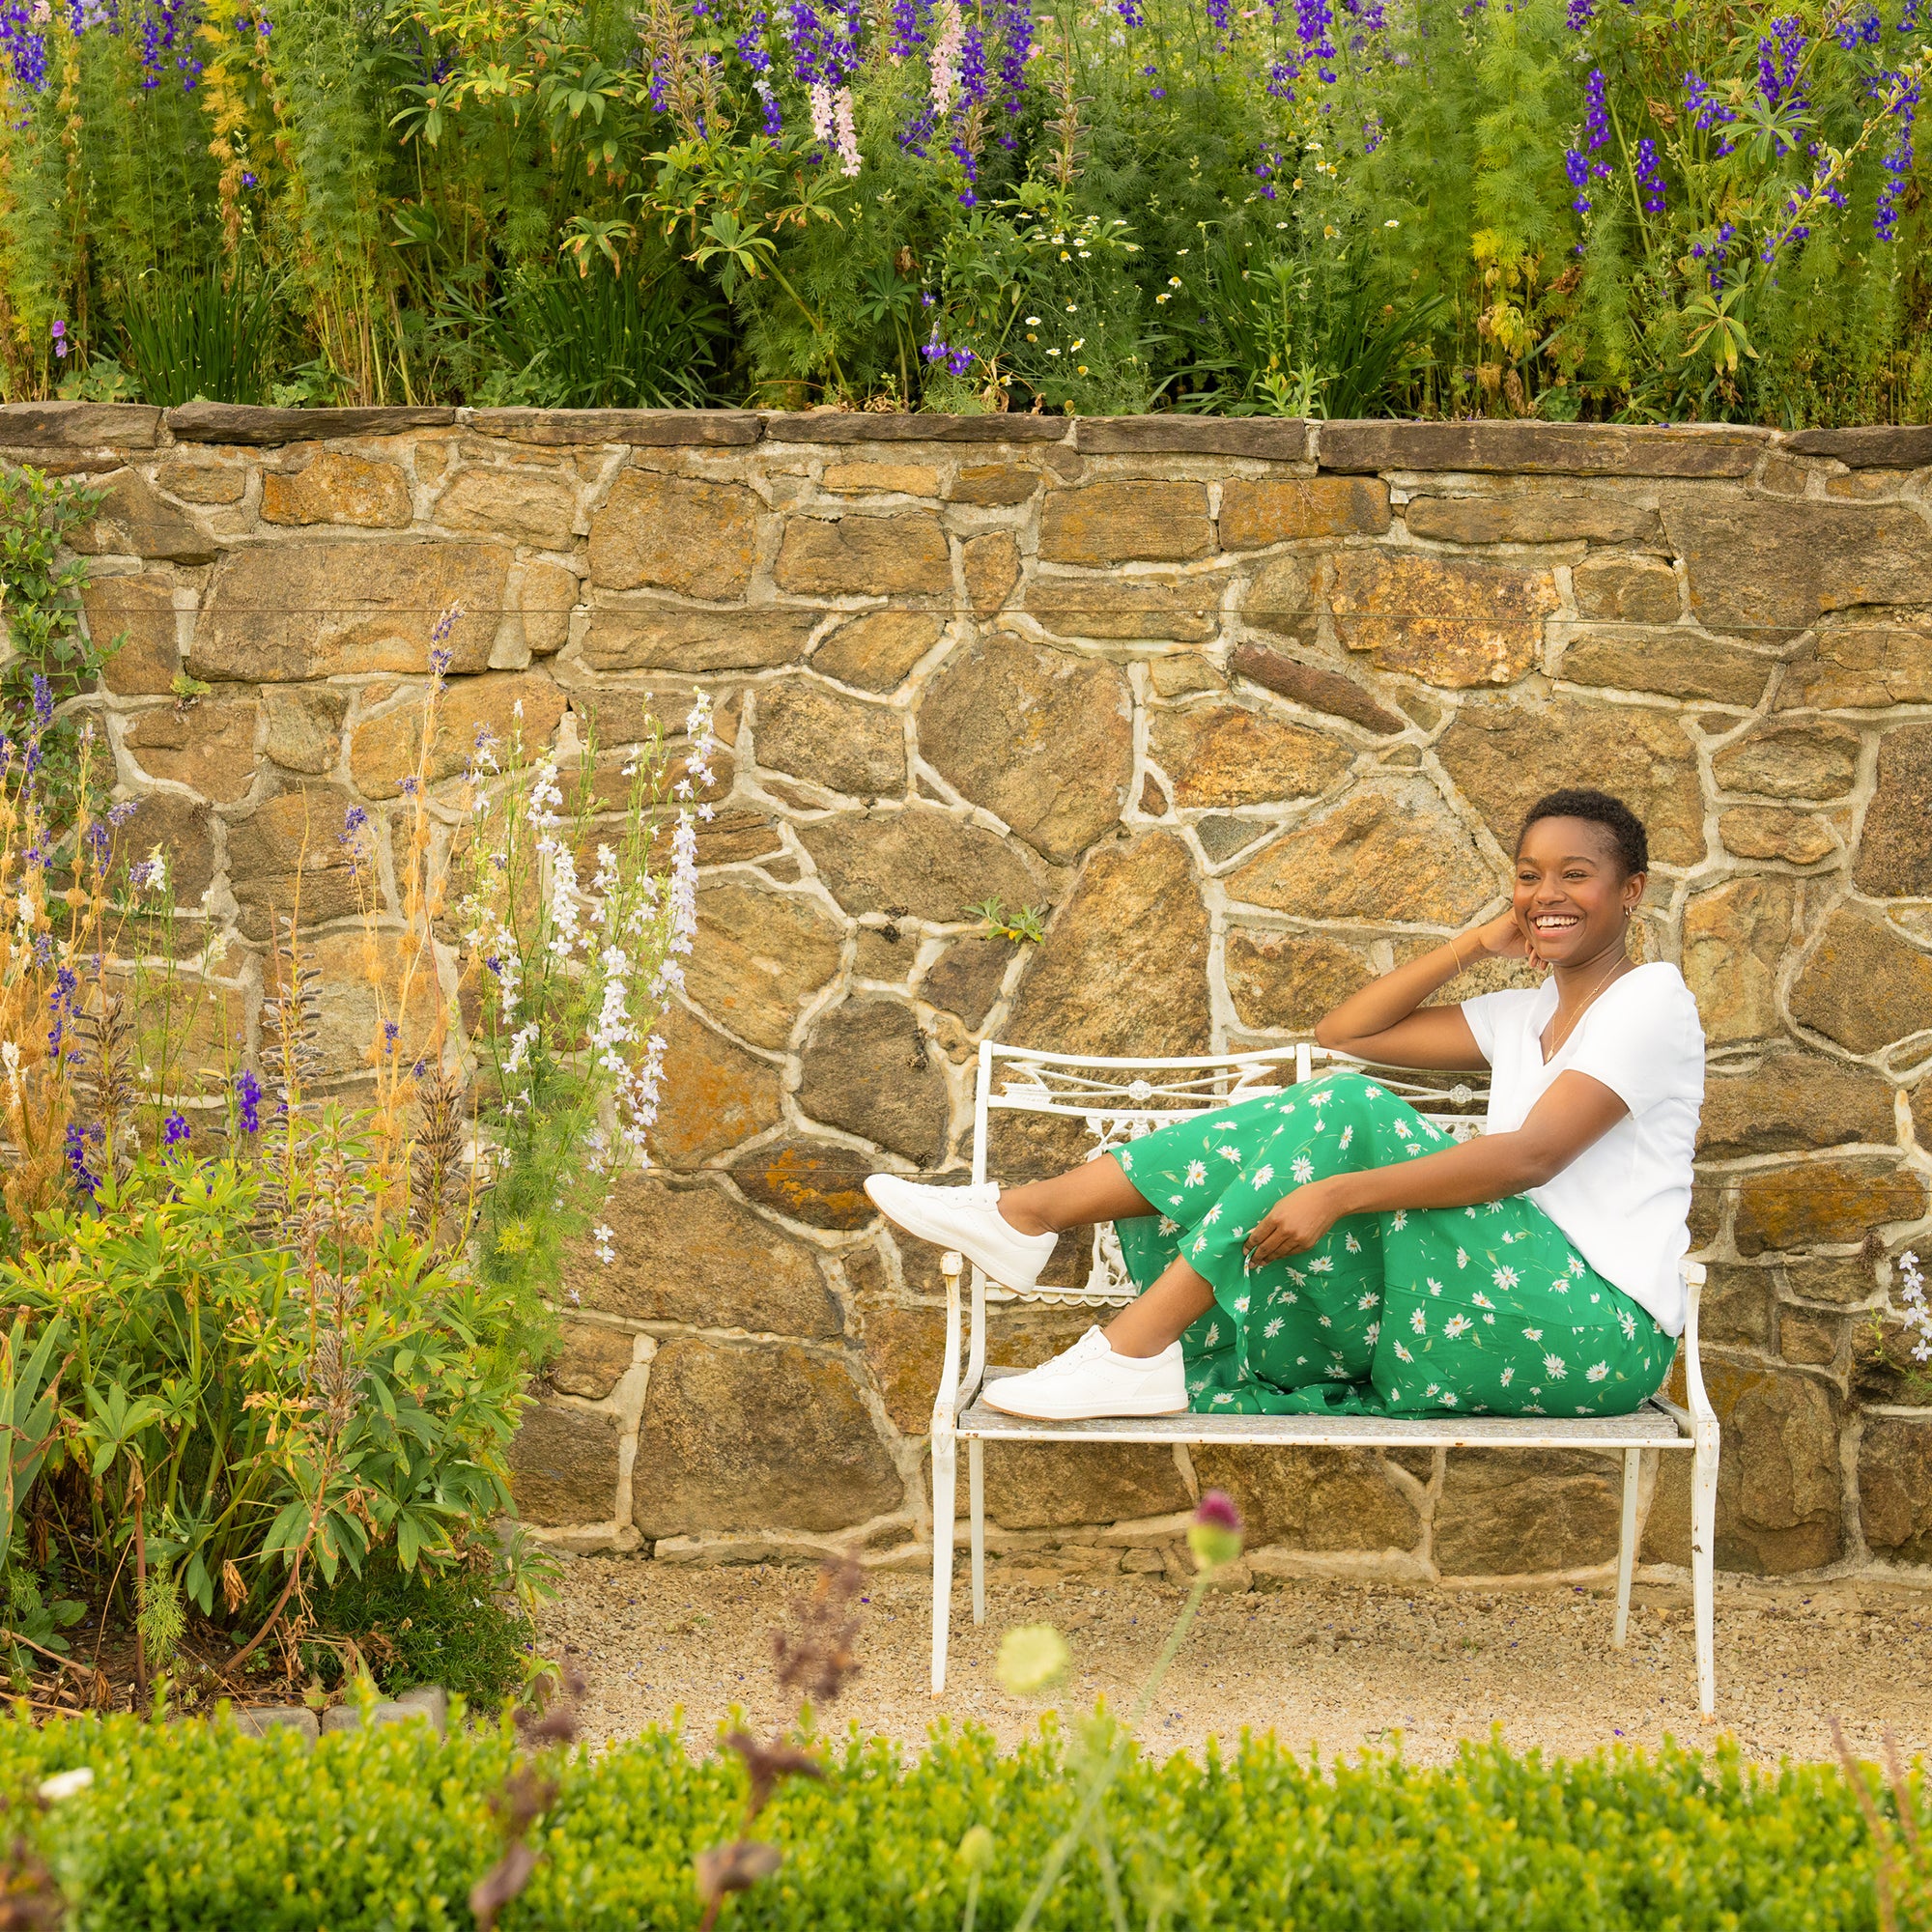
(1572, 891)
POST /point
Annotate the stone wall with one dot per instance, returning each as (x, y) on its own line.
(1253, 709)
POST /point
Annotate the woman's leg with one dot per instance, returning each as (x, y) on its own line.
(1161, 1315)
(1095, 1191)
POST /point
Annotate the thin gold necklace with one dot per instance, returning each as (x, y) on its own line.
(1556, 1046)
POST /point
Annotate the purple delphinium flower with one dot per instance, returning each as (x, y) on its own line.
(908, 29)
(1577, 168)
(43, 701)
(24, 45)
(75, 1143)
(1014, 25)
(248, 1099)
(1130, 10)
(1861, 29)
(1581, 14)
(1650, 175)
(1897, 163)
(175, 1130)
(1220, 11)
(1778, 59)
(1313, 20)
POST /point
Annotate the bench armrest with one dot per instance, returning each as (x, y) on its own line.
(1699, 1402)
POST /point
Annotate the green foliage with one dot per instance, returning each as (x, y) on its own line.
(1026, 922)
(196, 339)
(388, 1826)
(462, 1627)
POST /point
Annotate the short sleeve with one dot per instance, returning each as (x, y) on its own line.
(1647, 1047)
(1484, 1014)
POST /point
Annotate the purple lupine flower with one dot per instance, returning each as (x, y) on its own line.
(1859, 29)
(1908, 17)
(175, 1130)
(1581, 14)
(1650, 175)
(77, 1139)
(1778, 59)
(1577, 168)
(43, 701)
(248, 1096)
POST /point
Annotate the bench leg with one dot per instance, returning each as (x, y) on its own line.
(1627, 1548)
(944, 1471)
(975, 1503)
(1703, 1563)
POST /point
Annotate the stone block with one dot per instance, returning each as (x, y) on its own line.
(1845, 1281)
(659, 637)
(1762, 567)
(1895, 852)
(757, 956)
(1780, 1491)
(1183, 676)
(1765, 832)
(364, 985)
(334, 487)
(1454, 622)
(250, 423)
(868, 1067)
(1735, 938)
(1674, 662)
(132, 519)
(1809, 1339)
(966, 978)
(590, 1360)
(1228, 756)
(995, 485)
(1867, 446)
(1505, 756)
(1628, 590)
(1318, 688)
(693, 1254)
(1516, 1513)
(812, 731)
(715, 1095)
(643, 429)
(902, 479)
(1289, 510)
(304, 726)
(1817, 761)
(918, 861)
(1124, 967)
(1895, 1488)
(854, 556)
(563, 1464)
(1271, 438)
(1861, 667)
(1123, 522)
(545, 601)
(1536, 448)
(79, 425)
(1311, 1498)
(877, 650)
(904, 1348)
(991, 567)
(1824, 1201)
(819, 1182)
(257, 1720)
(1736, 1308)
(1059, 1485)
(747, 1438)
(1386, 851)
(197, 481)
(209, 746)
(1290, 979)
(1154, 609)
(674, 534)
(289, 847)
(1043, 737)
(385, 749)
(285, 612)
(1533, 512)
(140, 612)
(1863, 986)
(843, 426)
(533, 506)
(1793, 1099)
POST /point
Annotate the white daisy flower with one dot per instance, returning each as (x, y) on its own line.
(1597, 1372)
(1399, 1220)
(1556, 1366)
(1241, 1304)
(1560, 1285)
(1325, 1321)
(1627, 1322)
(1480, 1299)
(1494, 1208)
(1322, 1264)
(1303, 1169)
(1404, 1129)
(1348, 1134)
(1126, 1159)
(1418, 1321)
(1534, 1334)
(1232, 1153)
(1448, 1398)
(1353, 1246)
(1470, 1214)
(1462, 1258)
(1504, 1278)
(1457, 1324)
(1368, 1301)
(1507, 1377)
(1575, 1266)
(1169, 1227)
(1212, 1215)
(1373, 1332)
(1263, 1174)
(1213, 1335)
(1402, 1354)
(1197, 1173)
(1434, 1285)
(1273, 1327)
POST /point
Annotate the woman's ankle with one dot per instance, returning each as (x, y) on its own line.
(1016, 1211)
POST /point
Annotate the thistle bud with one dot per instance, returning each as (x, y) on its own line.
(1214, 1536)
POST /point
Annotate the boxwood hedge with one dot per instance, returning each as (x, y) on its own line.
(385, 1830)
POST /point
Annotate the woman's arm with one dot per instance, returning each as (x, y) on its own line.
(1576, 1112)
(1382, 1021)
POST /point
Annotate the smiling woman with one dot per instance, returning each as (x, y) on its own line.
(1327, 1249)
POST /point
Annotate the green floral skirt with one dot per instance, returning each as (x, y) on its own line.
(1481, 1311)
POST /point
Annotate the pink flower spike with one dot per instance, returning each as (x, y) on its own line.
(1217, 1507)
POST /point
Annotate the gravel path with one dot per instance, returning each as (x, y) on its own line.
(1337, 1665)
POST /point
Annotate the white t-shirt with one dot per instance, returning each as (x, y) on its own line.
(1624, 1200)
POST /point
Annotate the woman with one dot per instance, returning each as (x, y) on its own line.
(1330, 1250)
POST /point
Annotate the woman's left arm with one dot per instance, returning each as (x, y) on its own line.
(1576, 1112)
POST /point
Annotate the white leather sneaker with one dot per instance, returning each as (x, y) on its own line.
(1085, 1383)
(966, 1218)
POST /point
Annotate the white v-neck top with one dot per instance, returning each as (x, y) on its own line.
(1624, 1202)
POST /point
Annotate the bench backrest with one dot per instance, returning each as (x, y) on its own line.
(1119, 1100)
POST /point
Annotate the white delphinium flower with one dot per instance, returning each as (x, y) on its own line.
(819, 94)
(948, 43)
(1917, 1312)
(846, 131)
(603, 1236)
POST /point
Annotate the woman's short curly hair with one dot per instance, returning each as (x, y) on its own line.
(1627, 837)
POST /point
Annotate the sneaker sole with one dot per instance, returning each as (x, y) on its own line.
(1109, 1415)
(993, 1269)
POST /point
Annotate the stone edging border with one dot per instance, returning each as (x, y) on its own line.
(1690, 451)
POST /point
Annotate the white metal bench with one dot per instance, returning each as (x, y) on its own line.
(1119, 1100)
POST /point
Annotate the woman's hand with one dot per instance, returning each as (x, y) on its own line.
(1294, 1223)
(1503, 938)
